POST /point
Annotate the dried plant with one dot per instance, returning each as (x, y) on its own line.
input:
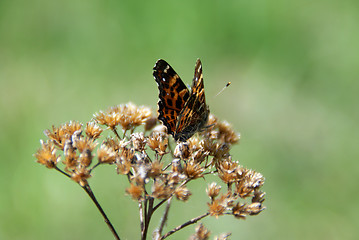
(156, 173)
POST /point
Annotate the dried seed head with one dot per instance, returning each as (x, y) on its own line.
(182, 193)
(93, 130)
(221, 151)
(46, 155)
(70, 155)
(258, 196)
(135, 191)
(227, 170)
(194, 143)
(75, 137)
(254, 208)
(193, 170)
(216, 208)
(182, 150)
(133, 116)
(160, 190)
(106, 154)
(109, 118)
(138, 141)
(158, 142)
(213, 190)
(64, 132)
(72, 126)
(205, 153)
(200, 155)
(127, 154)
(129, 116)
(212, 120)
(202, 233)
(80, 175)
(84, 144)
(226, 133)
(140, 173)
(177, 166)
(155, 170)
(249, 182)
(85, 158)
(175, 178)
(113, 143)
(123, 166)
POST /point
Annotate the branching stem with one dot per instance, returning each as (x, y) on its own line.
(192, 221)
(107, 221)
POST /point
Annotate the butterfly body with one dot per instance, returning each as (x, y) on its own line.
(183, 112)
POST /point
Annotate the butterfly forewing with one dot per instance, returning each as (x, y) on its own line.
(173, 94)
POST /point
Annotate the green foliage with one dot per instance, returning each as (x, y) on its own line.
(294, 96)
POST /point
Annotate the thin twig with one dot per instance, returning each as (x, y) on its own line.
(94, 166)
(165, 216)
(148, 215)
(141, 216)
(167, 166)
(192, 221)
(145, 153)
(107, 221)
(59, 170)
(88, 190)
(116, 133)
(159, 204)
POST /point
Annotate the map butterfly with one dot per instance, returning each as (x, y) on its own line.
(183, 112)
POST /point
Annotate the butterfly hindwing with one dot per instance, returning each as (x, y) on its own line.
(194, 115)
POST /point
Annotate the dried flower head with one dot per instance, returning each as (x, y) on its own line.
(182, 193)
(93, 130)
(158, 142)
(213, 190)
(202, 233)
(193, 170)
(138, 141)
(60, 134)
(106, 154)
(158, 169)
(46, 155)
(80, 175)
(135, 191)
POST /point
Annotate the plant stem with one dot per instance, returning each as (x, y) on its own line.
(107, 221)
(142, 224)
(148, 214)
(64, 173)
(165, 216)
(116, 133)
(192, 221)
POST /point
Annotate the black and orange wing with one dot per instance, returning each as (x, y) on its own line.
(173, 94)
(194, 115)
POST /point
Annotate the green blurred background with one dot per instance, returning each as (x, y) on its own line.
(294, 99)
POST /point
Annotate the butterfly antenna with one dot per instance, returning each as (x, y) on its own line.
(227, 85)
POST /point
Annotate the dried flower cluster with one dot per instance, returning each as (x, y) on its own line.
(154, 170)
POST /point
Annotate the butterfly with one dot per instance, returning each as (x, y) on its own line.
(183, 112)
